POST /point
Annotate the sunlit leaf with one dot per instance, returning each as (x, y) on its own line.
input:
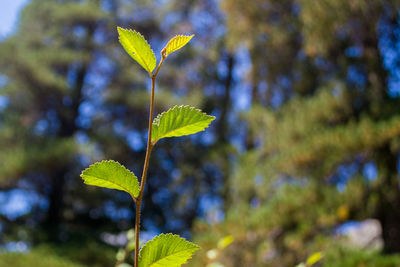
(226, 241)
(179, 121)
(111, 174)
(138, 48)
(166, 250)
(314, 258)
(177, 43)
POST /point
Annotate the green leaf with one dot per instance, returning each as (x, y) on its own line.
(111, 174)
(138, 48)
(166, 250)
(179, 121)
(177, 43)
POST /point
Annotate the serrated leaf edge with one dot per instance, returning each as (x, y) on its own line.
(157, 119)
(195, 248)
(175, 37)
(113, 161)
(147, 43)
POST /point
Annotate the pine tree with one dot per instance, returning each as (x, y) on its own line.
(57, 68)
(73, 99)
(323, 111)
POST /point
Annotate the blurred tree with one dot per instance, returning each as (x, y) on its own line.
(58, 117)
(324, 118)
(36, 258)
(46, 65)
(73, 98)
(203, 76)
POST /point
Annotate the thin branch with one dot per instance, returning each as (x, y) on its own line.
(138, 200)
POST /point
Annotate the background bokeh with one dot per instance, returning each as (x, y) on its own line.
(303, 156)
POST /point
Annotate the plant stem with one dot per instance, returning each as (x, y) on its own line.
(146, 160)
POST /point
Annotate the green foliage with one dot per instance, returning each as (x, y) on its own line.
(307, 120)
(47, 70)
(327, 126)
(166, 250)
(305, 212)
(111, 174)
(34, 258)
(82, 249)
(344, 256)
(138, 48)
(177, 43)
(179, 121)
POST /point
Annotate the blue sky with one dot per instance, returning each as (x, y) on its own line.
(9, 11)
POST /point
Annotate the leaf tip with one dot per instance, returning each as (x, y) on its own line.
(121, 30)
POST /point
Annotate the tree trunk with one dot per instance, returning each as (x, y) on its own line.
(388, 209)
(56, 205)
(223, 132)
(67, 117)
